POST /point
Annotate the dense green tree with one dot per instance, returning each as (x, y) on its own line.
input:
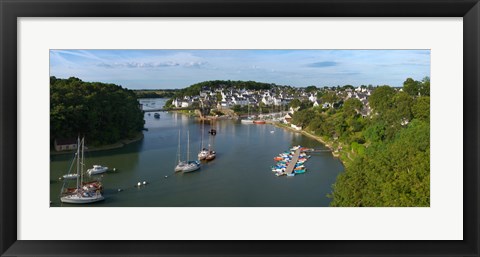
(382, 99)
(425, 87)
(421, 108)
(103, 113)
(411, 87)
(295, 103)
(393, 174)
(330, 97)
(311, 89)
(303, 117)
(352, 107)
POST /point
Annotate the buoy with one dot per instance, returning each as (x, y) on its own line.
(166, 176)
(119, 190)
(139, 184)
(144, 182)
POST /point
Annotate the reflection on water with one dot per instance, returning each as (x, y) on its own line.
(239, 176)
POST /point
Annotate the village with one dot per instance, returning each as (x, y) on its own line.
(276, 100)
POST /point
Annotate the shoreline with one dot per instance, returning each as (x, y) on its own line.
(335, 153)
(117, 145)
(303, 132)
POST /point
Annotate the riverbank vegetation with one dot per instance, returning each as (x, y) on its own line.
(386, 154)
(104, 113)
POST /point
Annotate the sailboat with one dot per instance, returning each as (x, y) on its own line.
(181, 164)
(83, 193)
(191, 165)
(211, 154)
(259, 121)
(203, 152)
(186, 166)
(249, 119)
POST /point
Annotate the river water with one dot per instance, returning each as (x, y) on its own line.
(240, 175)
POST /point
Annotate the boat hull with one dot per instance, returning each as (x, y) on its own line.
(97, 171)
(191, 169)
(191, 166)
(70, 176)
(78, 199)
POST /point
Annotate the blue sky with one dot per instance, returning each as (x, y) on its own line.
(161, 69)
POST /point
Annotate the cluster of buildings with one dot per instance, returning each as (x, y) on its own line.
(227, 97)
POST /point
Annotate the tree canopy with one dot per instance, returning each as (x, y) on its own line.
(388, 151)
(103, 113)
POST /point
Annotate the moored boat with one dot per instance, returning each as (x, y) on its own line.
(70, 176)
(84, 192)
(246, 121)
(97, 169)
(203, 154)
(211, 155)
(190, 165)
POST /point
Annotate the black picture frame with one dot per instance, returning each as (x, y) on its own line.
(10, 10)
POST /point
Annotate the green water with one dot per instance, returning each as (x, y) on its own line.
(239, 176)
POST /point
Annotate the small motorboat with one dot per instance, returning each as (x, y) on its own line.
(97, 169)
(300, 171)
(157, 115)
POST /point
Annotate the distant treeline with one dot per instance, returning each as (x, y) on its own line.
(103, 113)
(155, 93)
(216, 84)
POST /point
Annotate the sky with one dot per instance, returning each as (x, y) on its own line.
(167, 69)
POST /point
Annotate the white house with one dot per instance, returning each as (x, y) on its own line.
(185, 104)
(239, 101)
(293, 110)
(267, 100)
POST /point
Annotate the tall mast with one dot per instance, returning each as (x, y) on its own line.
(178, 152)
(188, 146)
(78, 162)
(203, 131)
(83, 161)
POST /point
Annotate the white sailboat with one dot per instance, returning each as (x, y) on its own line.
(81, 194)
(203, 152)
(248, 120)
(181, 164)
(191, 165)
